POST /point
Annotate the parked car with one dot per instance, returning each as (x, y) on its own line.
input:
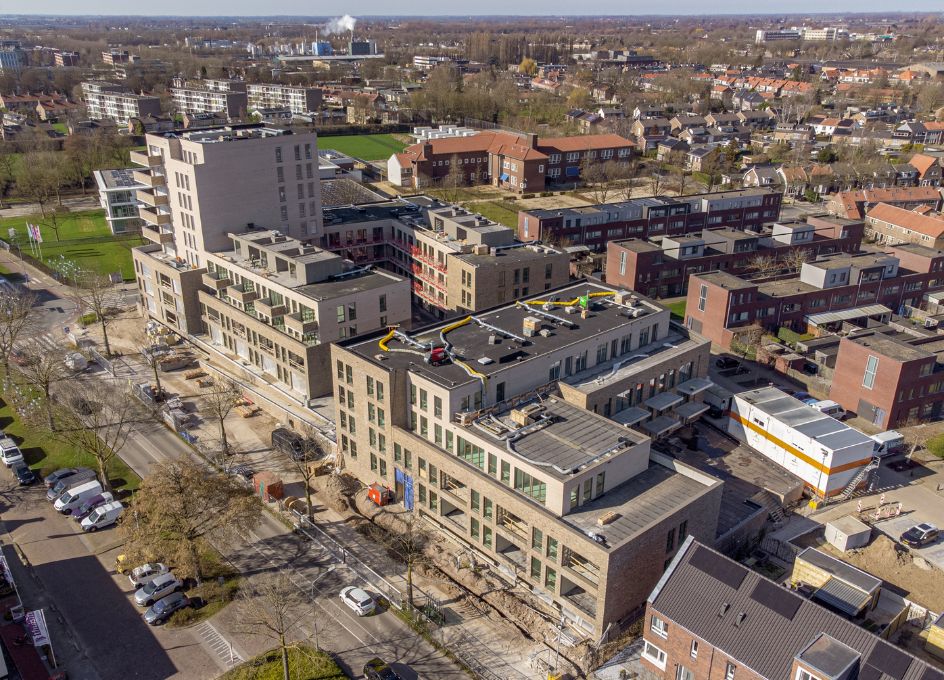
(80, 477)
(23, 474)
(920, 535)
(156, 588)
(243, 471)
(830, 408)
(147, 572)
(52, 478)
(73, 499)
(358, 600)
(727, 362)
(161, 610)
(9, 452)
(378, 669)
(91, 504)
(286, 441)
(103, 516)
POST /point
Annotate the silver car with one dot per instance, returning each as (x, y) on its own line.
(155, 589)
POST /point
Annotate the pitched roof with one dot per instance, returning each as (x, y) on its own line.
(851, 201)
(582, 142)
(906, 219)
(922, 163)
(764, 626)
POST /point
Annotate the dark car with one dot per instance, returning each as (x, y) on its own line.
(293, 444)
(51, 479)
(378, 669)
(920, 535)
(161, 610)
(24, 475)
(727, 362)
(86, 508)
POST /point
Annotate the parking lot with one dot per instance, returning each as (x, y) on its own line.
(105, 635)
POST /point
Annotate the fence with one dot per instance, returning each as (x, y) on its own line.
(783, 550)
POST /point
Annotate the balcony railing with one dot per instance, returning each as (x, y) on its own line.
(153, 217)
(418, 290)
(216, 281)
(420, 274)
(241, 294)
(150, 179)
(300, 323)
(152, 198)
(142, 158)
(267, 307)
(156, 235)
(422, 257)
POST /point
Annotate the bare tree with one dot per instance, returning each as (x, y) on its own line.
(303, 463)
(454, 180)
(150, 357)
(268, 608)
(97, 417)
(795, 259)
(912, 429)
(180, 505)
(35, 180)
(42, 370)
(219, 399)
(95, 293)
(657, 178)
(408, 545)
(748, 343)
(763, 265)
(18, 319)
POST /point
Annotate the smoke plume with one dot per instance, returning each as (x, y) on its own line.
(343, 24)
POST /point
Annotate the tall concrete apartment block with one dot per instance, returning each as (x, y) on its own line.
(258, 298)
(232, 105)
(116, 102)
(273, 95)
(506, 444)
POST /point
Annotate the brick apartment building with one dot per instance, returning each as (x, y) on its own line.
(711, 617)
(458, 261)
(523, 163)
(499, 446)
(660, 267)
(893, 225)
(855, 204)
(890, 379)
(596, 225)
(827, 293)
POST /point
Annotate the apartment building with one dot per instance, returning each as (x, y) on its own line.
(202, 185)
(659, 267)
(458, 261)
(893, 225)
(854, 205)
(827, 293)
(66, 58)
(299, 100)
(594, 226)
(116, 102)
(231, 104)
(890, 378)
(117, 194)
(499, 447)
(710, 617)
(13, 58)
(277, 304)
(115, 57)
(503, 159)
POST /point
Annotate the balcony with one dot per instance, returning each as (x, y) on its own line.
(152, 198)
(142, 158)
(242, 294)
(216, 281)
(270, 309)
(419, 255)
(428, 278)
(301, 323)
(149, 178)
(423, 295)
(157, 235)
(154, 217)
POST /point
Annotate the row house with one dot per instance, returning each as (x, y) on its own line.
(660, 267)
(855, 204)
(595, 226)
(892, 225)
(928, 169)
(863, 286)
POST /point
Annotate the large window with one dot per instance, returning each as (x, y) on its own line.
(659, 627)
(871, 368)
(654, 655)
(530, 486)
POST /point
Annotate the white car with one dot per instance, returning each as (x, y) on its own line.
(147, 572)
(156, 588)
(9, 452)
(358, 600)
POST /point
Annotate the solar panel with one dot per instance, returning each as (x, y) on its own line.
(889, 660)
(870, 673)
(932, 674)
(719, 568)
(776, 599)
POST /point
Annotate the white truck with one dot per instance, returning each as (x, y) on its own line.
(103, 516)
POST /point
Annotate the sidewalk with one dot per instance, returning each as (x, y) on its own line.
(89, 202)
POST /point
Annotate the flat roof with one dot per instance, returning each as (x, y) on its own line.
(892, 347)
(347, 285)
(640, 502)
(649, 201)
(725, 280)
(521, 253)
(841, 570)
(120, 179)
(470, 339)
(847, 314)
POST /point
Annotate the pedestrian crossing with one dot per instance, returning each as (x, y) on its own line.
(219, 644)
(45, 342)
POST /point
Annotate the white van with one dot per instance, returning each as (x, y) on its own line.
(830, 408)
(103, 516)
(888, 443)
(76, 496)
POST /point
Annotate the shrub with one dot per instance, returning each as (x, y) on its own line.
(935, 445)
(88, 319)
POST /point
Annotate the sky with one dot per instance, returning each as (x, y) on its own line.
(463, 7)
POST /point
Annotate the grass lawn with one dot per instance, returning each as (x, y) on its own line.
(60, 127)
(305, 663)
(677, 308)
(82, 237)
(366, 147)
(45, 453)
(497, 211)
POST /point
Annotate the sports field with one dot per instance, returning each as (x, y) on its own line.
(366, 147)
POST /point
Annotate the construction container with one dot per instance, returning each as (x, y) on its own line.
(380, 495)
(268, 485)
(847, 533)
(825, 453)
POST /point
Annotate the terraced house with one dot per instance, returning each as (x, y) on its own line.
(495, 428)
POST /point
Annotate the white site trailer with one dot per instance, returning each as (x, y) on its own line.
(825, 453)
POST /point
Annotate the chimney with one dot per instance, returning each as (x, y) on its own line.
(532, 140)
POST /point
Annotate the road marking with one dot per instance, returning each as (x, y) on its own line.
(223, 648)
